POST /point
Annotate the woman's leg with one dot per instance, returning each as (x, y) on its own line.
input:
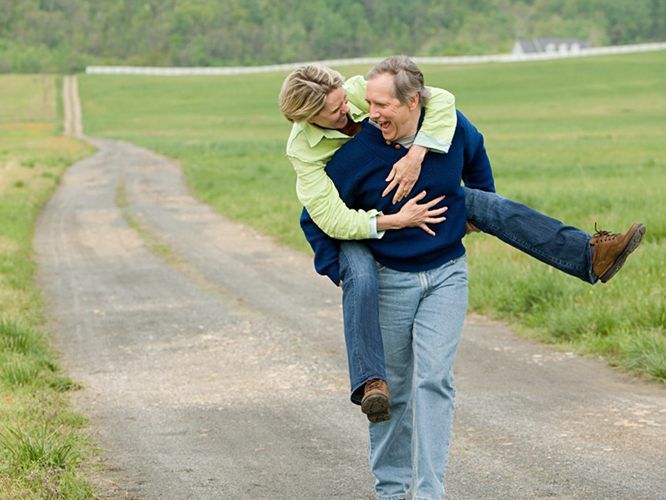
(365, 351)
(565, 248)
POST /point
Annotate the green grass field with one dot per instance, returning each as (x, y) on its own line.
(41, 440)
(583, 140)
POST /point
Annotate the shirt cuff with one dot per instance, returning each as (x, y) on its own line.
(374, 235)
(432, 143)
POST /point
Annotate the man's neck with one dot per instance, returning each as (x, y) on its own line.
(412, 126)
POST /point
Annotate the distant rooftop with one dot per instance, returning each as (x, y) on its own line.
(549, 45)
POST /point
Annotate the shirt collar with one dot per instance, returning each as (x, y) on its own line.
(314, 134)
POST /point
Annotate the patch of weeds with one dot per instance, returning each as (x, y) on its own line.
(18, 370)
(40, 446)
(17, 337)
(646, 353)
(24, 360)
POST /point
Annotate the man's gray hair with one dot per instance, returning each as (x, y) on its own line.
(408, 79)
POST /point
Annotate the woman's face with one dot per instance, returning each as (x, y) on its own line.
(334, 113)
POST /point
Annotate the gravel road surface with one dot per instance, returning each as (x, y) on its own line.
(213, 364)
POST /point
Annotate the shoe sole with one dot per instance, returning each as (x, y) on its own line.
(376, 408)
(634, 241)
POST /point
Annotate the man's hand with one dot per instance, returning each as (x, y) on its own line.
(405, 173)
(471, 228)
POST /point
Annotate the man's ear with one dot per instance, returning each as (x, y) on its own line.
(414, 101)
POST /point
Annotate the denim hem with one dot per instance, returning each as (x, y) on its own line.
(356, 395)
(392, 497)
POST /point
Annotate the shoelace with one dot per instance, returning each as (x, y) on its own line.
(373, 384)
(601, 235)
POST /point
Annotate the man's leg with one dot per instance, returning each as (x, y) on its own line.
(437, 328)
(365, 352)
(566, 248)
(390, 442)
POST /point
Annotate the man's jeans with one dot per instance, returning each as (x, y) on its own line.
(421, 318)
(564, 247)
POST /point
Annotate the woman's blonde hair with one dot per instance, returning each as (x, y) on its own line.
(304, 91)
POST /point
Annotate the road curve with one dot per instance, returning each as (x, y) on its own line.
(213, 363)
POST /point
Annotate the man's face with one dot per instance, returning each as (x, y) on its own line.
(334, 113)
(395, 119)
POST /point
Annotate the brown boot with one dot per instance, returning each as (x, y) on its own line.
(376, 403)
(612, 249)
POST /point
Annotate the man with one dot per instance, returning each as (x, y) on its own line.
(422, 278)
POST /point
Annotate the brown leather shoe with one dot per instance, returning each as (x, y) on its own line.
(376, 403)
(612, 249)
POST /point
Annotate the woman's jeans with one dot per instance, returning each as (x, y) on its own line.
(421, 318)
(365, 352)
(564, 247)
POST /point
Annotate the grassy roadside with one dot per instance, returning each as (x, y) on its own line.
(581, 140)
(41, 439)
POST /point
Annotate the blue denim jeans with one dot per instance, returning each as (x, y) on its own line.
(421, 317)
(363, 338)
(566, 248)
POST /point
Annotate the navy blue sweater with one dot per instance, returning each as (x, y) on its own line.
(358, 170)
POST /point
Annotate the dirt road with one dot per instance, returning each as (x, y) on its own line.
(213, 364)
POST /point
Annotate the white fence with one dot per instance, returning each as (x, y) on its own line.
(240, 70)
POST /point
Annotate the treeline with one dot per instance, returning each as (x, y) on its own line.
(67, 35)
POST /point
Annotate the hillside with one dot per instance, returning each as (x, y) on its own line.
(67, 35)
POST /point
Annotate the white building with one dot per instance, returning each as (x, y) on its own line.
(549, 45)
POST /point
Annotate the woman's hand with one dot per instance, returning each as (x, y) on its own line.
(405, 173)
(413, 214)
